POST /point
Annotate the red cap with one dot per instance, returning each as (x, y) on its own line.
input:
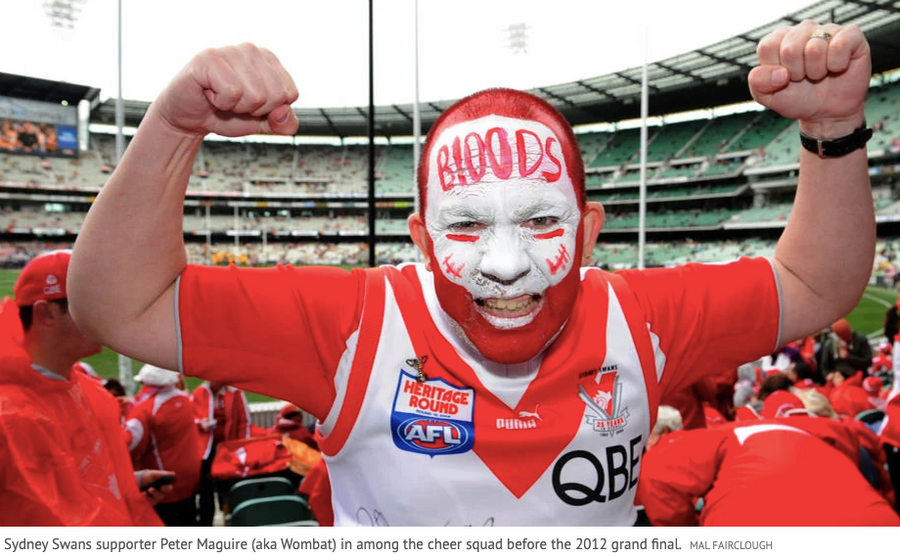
(873, 385)
(781, 403)
(842, 328)
(43, 278)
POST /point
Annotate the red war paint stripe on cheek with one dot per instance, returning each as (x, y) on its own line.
(462, 237)
(560, 262)
(549, 235)
(454, 270)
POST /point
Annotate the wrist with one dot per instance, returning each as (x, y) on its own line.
(832, 128)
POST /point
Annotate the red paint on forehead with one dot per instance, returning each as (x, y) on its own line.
(512, 104)
(500, 153)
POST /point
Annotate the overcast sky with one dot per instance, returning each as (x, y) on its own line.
(463, 44)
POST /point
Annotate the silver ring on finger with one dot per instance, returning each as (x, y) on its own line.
(821, 34)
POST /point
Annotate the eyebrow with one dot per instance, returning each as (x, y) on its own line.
(528, 211)
(460, 210)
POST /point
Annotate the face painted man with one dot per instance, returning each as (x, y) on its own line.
(504, 222)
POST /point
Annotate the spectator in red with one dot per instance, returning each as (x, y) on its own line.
(115, 388)
(817, 404)
(747, 404)
(882, 361)
(747, 475)
(689, 402)
(290, 422)
(847, 345)
(782, 403)
(221, 413)
(848, 397)
(890, 431)
(60, 439)
(874, 387)
(161, 434)
(316, 486)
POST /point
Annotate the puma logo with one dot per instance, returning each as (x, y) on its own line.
(533, 414)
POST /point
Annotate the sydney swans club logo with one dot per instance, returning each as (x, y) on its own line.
(603, 394)
(432, 416)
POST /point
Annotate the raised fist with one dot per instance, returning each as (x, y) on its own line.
(818, 74)
(231, 91)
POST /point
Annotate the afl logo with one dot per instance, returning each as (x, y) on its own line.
(432, 436)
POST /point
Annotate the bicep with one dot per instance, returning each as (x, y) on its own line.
(803, 312)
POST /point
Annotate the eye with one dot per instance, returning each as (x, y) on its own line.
(541, 223)
(466, 226)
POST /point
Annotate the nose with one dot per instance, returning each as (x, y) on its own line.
(505, 260)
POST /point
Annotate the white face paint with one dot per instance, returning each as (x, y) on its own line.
(502, 214)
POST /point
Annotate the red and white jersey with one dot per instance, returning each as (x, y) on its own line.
(890, 430)
(228, 408)
(553, 441)
(161, 434)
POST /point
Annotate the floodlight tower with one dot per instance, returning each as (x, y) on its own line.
(63, 13)
(518, 38)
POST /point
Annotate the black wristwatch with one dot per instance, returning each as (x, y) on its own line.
(834, 148)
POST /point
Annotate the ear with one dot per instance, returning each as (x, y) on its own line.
(592, 219)
(420, 237)
(44, 312)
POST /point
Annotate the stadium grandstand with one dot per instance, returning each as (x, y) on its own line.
(720, 172)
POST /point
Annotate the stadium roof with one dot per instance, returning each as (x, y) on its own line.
(712, 76)
(19, 86)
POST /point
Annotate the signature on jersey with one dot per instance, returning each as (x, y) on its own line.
(375, 518)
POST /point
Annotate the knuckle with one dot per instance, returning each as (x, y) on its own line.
(790, 51)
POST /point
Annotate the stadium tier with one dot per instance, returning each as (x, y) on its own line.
(717, 179)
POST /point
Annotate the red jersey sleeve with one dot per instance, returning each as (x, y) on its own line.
(277, 331)
(708, 318)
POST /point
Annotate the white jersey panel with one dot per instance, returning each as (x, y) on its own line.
(410, 458)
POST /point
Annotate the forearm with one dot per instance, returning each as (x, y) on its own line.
(824, 257)
(130, 249)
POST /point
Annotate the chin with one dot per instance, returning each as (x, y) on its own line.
(510, 347)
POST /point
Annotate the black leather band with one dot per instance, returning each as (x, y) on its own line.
(833, 148)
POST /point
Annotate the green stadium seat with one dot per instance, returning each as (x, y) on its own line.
(259, 487)
(282, 511)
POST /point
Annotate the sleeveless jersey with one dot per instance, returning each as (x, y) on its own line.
(568, 453)
(416, 432)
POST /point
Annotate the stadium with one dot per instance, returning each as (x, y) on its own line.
(720, 172)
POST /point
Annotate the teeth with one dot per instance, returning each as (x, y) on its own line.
(508, 304)
(516, 306)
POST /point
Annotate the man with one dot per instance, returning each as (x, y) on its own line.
(844, 345)
(161, 434)
(498, 367)
(789, 471)
(62, 457)
(847, 395)
(220, 413)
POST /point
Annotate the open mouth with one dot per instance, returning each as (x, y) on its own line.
(510, 313)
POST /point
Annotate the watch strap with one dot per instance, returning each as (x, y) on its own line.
(832, 148)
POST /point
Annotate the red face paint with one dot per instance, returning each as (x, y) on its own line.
(462, 237)
(550, 235)
(517, 344)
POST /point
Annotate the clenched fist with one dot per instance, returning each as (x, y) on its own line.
(818, 74)
(232, 91)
